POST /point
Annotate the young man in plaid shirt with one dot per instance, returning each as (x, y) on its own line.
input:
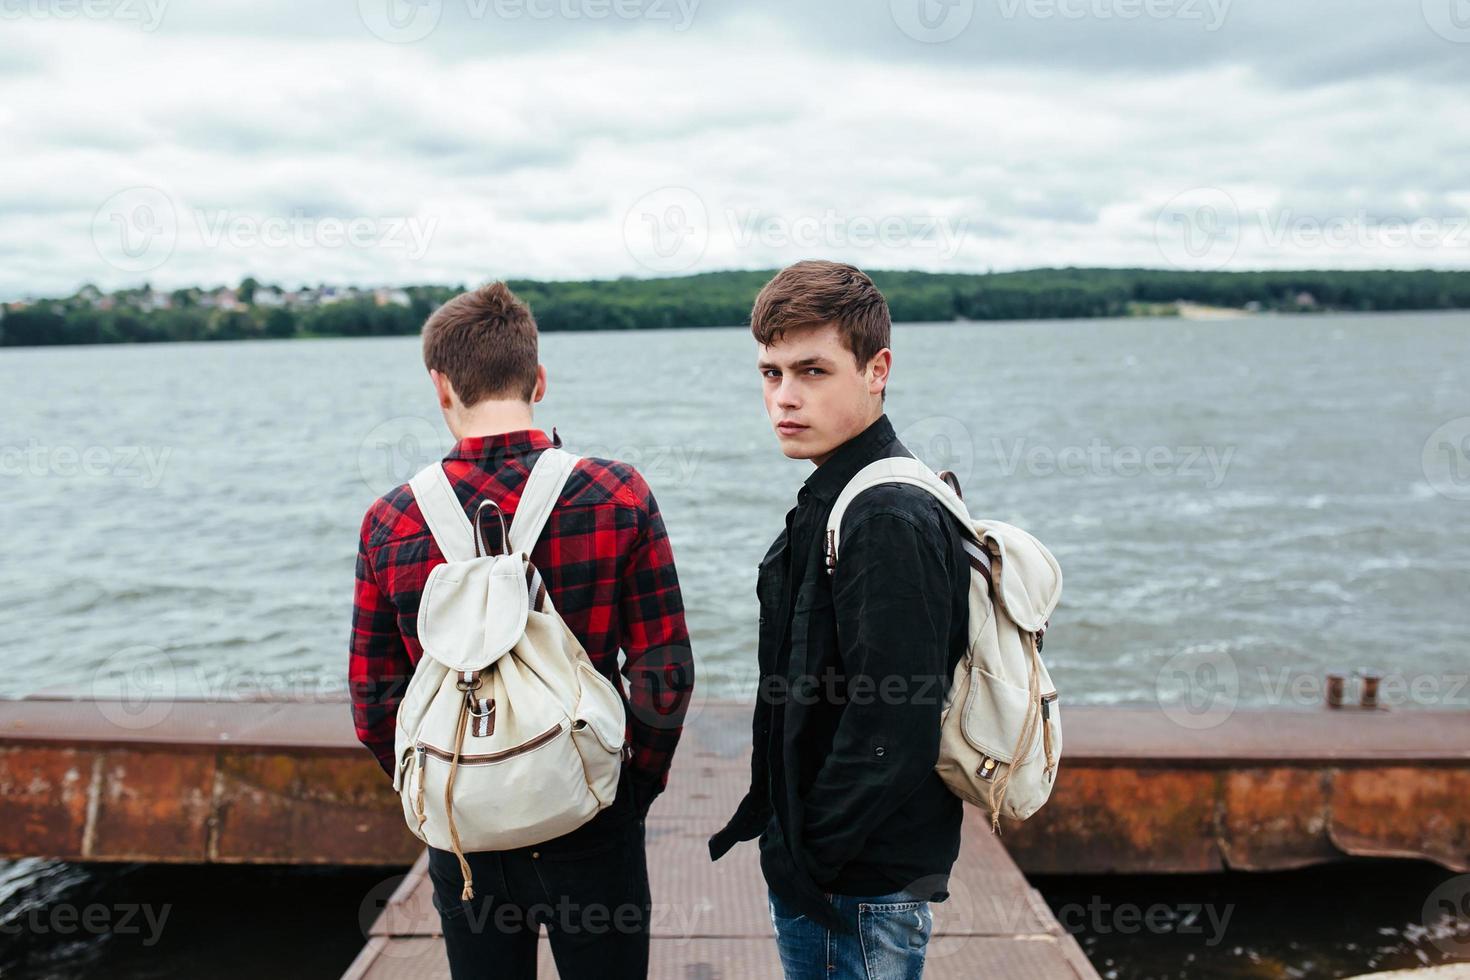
(606, 561)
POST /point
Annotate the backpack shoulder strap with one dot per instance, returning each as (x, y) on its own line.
(443, 512)
(539, 497)
(896, 469)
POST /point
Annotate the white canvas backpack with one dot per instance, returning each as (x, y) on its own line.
(507, 735)
(1001, 732)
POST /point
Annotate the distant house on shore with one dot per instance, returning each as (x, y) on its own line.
(269, 297)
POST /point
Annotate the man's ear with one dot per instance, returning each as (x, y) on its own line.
(443, 390)
(540, 391)
(878, 369)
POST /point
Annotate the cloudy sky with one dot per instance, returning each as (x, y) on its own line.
(185, 142)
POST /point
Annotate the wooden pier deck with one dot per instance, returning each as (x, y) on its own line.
(710, 920)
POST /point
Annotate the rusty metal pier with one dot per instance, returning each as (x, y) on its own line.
(287, 782)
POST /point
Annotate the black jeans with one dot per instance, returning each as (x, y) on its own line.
(592, 896)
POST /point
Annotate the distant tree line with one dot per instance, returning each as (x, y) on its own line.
(724, 299)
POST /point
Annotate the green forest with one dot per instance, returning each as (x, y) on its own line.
(707, 300)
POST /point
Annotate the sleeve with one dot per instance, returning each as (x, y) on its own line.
(659, 664)
(379, 666)
(891, 600)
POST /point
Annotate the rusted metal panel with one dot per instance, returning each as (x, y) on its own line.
(1104, 820)
(1404, 811)
(275, 807)
(45, 794)
(287, 781)
(152, 806)
(1273, 819)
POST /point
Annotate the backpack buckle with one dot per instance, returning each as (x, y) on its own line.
(469, 680)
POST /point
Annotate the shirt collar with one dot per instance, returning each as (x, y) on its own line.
(829, 479)
(504, 443)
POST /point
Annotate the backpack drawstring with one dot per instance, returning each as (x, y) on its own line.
(464, 866)
(1027, 738)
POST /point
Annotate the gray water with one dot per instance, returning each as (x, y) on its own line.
(1252, 502)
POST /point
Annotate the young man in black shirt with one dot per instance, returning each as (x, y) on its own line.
(857, 831)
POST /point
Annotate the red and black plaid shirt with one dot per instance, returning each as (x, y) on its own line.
(604, 557)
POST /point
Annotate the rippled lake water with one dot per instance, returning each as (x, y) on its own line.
(1273, 496)
(1253, 502)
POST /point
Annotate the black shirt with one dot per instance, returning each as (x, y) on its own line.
(854, 669)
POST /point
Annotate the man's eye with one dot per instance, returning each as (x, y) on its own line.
(815, 370)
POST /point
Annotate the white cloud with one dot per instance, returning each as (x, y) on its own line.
(321, 153)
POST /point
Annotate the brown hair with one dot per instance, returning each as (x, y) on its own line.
(484, 341)
(815, 292)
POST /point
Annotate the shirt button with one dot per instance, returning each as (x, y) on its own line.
(535, 854)
(878, 751)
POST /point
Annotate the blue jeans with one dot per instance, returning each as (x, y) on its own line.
(891, 935)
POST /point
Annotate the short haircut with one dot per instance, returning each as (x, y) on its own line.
(484, 341)
(815, 292)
